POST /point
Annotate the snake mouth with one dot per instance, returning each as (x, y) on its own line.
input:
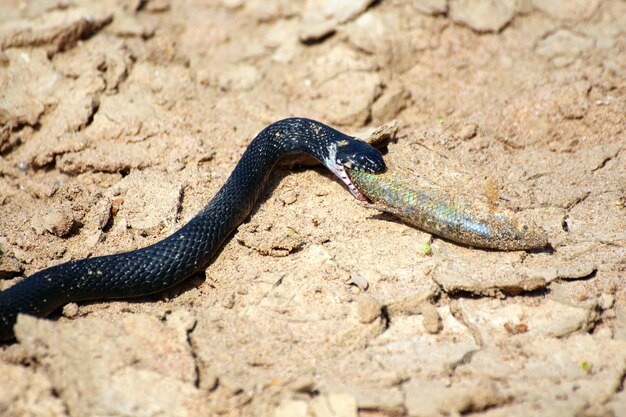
(340, 171)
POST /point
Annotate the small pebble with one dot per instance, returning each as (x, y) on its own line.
(289, 197)
(368, 309)
(359, 281)
(229, 301)
(305, 384)
(605, 301)
(70, 310)
(22, 166)
(468, 131)
(432, 319)
(58, 222)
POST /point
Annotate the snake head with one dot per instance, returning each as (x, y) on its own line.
(355, 154)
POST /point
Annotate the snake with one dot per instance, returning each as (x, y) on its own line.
(191, 249)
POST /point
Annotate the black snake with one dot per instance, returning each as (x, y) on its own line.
(190, 249)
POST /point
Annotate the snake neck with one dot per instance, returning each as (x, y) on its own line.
(285, 137)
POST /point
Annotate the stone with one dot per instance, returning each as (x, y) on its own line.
(107, 367)
(58, 221)
(432, 319)
(333, 105)
(368, 309)
(393, 100)
(431, 7)
(150, 200)
(493, 320)
(40, 401)
(57, 30)
(432, 398)
(563, 43)
(289, 197)
(407, 347)
(483, 15)
(606, 301)
(28, 78)
(567, 9)
(337, 10)
(359, 281)
(70, 310)
(9, 266)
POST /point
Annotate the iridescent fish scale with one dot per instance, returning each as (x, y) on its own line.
(459, 218)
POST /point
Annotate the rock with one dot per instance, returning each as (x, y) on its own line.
(432, 319)
(359, 281)
(314, 31)
(431, 7)
(270, 240)
(426, 398)
(126, 24)
(58, 221)
(107, 367)
(483, 15)
(386, 400)
(289, 197)
(543, 368)
(333, 105)
(466, 131)
(573, 100)
(338, 10)
(368, 309)
(150, 200)
(393, 100)
(620, 325)
(381, 135)
(406, 347)
(606, 301)
(9, 266)
(40, 401)
(618, 404)
(321, 17)
(567, 9)
(563, 43)
(28, 79)
(57, 30)
(305, 384)
(493, 320)
(412, 303)
(70, 310)
(463, 274)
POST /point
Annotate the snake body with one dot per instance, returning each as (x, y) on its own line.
(190, 249)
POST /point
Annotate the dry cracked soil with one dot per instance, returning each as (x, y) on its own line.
(120, 119)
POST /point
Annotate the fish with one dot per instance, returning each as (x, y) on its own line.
(455, 216)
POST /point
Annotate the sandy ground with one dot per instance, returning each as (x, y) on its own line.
(119, 121)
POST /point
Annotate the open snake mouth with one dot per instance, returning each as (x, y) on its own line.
(340, 171)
